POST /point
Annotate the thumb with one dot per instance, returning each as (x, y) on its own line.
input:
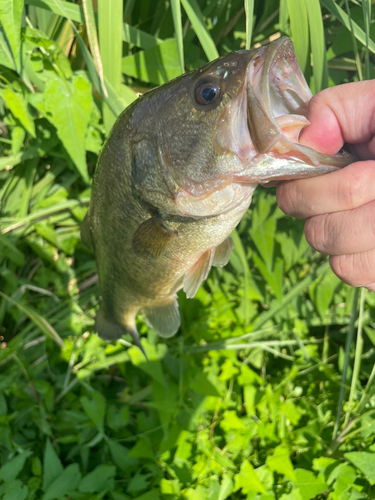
(340, 114)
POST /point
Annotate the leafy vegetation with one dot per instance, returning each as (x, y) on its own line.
(264, 394)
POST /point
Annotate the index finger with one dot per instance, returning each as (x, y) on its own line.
(344, 189)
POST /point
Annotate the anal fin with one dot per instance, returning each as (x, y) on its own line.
(152, 237)
(222, 252)
(86, 233)
(198, 273)
(164, 318)
(110, 330)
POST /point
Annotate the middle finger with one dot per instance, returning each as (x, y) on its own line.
(342, 233)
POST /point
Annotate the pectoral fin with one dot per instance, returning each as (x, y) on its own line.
(199, 272)
(152, 237)
(86, 233)
(164, 318)
(222, 252)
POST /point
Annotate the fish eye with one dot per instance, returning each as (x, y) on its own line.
(207, 92)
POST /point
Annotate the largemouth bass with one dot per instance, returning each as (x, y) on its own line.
(177, 174)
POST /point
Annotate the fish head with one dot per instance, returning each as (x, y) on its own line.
(220, 130)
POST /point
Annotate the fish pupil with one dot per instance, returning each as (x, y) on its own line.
(209, 94)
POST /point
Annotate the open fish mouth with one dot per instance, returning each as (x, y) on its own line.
(277, 101)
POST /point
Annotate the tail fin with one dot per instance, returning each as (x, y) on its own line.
(109, 330)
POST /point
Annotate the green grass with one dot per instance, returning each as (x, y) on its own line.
(268, 390)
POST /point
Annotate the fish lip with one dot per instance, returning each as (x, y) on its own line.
(268, 132)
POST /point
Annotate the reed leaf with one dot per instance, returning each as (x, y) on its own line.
(93, 41)
(317, 43)
(177, 22)
(110, 41)
(249, 10)
(300, 31)
(195, 16)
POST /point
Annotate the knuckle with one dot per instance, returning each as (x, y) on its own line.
(316, 232)
(286, 197)
(350, 189)
(344, 268)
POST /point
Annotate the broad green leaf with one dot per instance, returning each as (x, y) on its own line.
(15, 490)
(100, 479)
(18, 136)
(153, 366)
(226, 487)
(156, 65)
(68, 106)
(364, 461)
(15, 255)
(18, 106)
(281, 463)
(10, 19)
(95, 409)
(6, 56)
(294, 292)
(202, 385)
(308, 485)
(120, 455)
(142, 449)
(138, 37)
(322, 292)
(247, 480)
(195, 16)
(169, 487)
(13, 467)
(149, 495)
(52, 466)
(64, 484)
(3, 405)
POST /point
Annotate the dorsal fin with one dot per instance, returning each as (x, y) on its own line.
(152, 237)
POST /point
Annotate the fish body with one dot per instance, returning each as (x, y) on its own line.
(177, 174)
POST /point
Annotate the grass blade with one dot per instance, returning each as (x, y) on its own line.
(317, 43)
(176, 11)
(197, 21)
(357, 359)
(348, 343)
(93, 41)
(366, 6)
(355, 48)
(110, 40)
(38, 320)
(341, 15)
(249, 10)
(299, 31)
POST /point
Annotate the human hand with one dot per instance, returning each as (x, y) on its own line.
(340, 206)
